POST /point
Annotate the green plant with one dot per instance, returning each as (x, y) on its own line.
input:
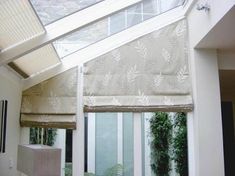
(161, 133)
(68, 170)
(180, 150)
(116, 170)
(88, 174)
(44, 136)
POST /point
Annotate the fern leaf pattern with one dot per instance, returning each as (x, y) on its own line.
(143, 99)
(180, 29)
(116, 55)
(107, 78)
(132, 74)
(167, 101)
(91, 100)
(182, 74)
(141, 49)
(166, 55)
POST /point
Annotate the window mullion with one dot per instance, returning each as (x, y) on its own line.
(137, 144)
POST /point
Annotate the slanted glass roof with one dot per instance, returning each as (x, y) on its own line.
(113, 24)
(52, 10)
(20, 23)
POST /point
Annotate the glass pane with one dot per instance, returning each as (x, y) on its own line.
(167, 5)
(109, 144)
(128, 148)
(117, 23)
(150, 8)
(106, 142)
(134, 15)
(135, 9)
(51, 10)
(68, 152)
(82, 38)
(164, 144)
(133, 19)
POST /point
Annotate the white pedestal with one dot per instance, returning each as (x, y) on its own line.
(39, 160)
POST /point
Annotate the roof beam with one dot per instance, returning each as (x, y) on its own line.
(99, 48)
(65, 26)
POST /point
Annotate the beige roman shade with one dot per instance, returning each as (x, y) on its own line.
(51, 103)
(147, 74)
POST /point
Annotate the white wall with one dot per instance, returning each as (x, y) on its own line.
(201, 22)
(208, 142)
(10, 89)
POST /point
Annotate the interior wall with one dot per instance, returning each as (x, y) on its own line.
(10, 89)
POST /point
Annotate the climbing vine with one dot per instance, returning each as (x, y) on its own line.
(180, 150)
(161, 133)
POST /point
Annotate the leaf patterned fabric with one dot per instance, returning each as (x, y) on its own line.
(52, 103)
(150, 73)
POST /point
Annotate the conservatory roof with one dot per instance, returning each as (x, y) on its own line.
(40, 39)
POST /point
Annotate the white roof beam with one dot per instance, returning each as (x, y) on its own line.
(65, 26)
(106, 45)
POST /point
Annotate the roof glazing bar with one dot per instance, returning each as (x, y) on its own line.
(65, 26)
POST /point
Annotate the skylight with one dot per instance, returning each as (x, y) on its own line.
(51, 10)
(28, 26)
(113, 24)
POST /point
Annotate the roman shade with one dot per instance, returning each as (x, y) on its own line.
(148, 74)
(52, 103)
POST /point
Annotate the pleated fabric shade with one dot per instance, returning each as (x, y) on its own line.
(148, 74)
(36, 61)
(18, 23)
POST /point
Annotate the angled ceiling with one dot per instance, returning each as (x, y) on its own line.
(221, 35)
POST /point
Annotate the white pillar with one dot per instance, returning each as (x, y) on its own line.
(78, 134)
(120, 138)
(91, 143)
(137, 145)
(191, 145)
(60, 143)
(207, 122)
